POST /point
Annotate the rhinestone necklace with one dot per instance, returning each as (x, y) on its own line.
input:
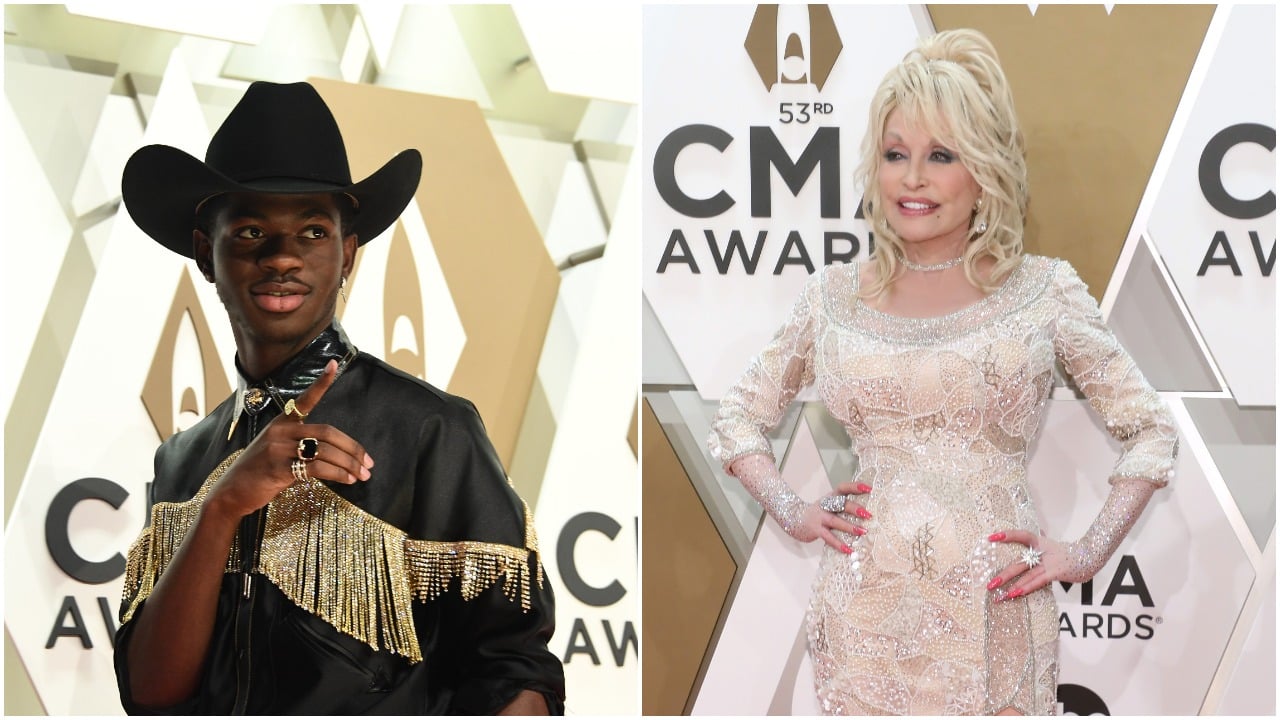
(931, 268)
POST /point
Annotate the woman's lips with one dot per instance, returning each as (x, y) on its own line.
(916, 208)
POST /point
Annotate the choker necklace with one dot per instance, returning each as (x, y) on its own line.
(931, 268)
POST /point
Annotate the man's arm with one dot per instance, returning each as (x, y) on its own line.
(527, 702)
(170, 638)
(497, 643)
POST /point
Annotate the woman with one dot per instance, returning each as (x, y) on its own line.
(937, 355)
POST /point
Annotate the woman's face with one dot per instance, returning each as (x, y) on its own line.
(927, 194)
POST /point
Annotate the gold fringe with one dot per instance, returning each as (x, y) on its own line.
(341, 564)
(151, 553)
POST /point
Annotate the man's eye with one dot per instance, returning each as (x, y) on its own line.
(315, 232)
(249, 233)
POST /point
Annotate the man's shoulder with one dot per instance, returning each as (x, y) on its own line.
(415, 395)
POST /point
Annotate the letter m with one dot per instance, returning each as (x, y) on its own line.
(823, 151)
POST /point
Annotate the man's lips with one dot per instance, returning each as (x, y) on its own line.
(279, 297)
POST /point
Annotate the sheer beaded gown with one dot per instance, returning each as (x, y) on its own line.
(941, 412)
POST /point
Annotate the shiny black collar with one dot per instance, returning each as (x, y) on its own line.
(296, 375)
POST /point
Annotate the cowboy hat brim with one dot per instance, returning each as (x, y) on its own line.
(162, 186)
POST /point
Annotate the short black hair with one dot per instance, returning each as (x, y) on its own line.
(207, 213)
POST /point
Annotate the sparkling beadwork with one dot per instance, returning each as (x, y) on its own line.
(341, 564)
(941, 412)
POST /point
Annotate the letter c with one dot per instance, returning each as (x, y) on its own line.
(664, 170)
(57, 535)
(569, 534)
(1211, 171)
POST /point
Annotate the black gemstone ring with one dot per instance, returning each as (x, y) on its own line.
(307, 449)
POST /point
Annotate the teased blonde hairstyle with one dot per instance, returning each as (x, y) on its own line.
(952, 86)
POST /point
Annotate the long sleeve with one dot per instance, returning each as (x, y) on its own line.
(757, 402)
(1134, 414)
(495, 632)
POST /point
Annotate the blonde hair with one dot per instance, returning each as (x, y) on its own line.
(952, 86)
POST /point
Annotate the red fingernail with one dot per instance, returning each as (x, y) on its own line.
(996, 537)
(859, 530)
(846, 549)
(863, 488)
(1017, 592)
(993, 584)
(862, 513)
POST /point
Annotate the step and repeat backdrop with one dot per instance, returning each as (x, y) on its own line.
(1151, 139)
(509, 280)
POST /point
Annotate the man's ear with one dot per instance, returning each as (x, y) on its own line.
(202, 250)
(349, 244)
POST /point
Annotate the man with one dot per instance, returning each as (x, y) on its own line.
(338, 537)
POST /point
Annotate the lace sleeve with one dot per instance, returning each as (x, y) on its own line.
(757, 402)
(1134, 414)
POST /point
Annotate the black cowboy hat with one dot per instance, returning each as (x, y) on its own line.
(277, 139)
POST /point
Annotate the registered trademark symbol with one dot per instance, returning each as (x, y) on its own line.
(1159, 620)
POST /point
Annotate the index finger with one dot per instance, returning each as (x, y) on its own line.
(310, 397)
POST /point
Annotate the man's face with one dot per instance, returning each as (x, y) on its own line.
(277, 261)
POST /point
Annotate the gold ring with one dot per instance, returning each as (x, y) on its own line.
(291, 410)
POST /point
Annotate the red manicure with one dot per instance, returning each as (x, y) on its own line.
(862, 513)
(863, 488)
(993, 584)
(1016, 592)
(996, 537)
(859, 531)
(846, 549)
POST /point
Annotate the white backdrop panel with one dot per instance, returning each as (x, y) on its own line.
(697, 72)
(1213, 222)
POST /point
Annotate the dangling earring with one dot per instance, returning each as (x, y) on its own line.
(982, 227)
(342, 289)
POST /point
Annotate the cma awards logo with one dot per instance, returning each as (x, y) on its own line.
(1096, 615)
(793, 49)
(1221, 250)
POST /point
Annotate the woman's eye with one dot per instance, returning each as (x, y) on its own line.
(892, 155)
(942, 156)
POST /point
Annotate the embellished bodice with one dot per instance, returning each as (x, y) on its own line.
(955, 394)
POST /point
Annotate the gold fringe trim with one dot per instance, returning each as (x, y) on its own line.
(151, 553)
(341, 564)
